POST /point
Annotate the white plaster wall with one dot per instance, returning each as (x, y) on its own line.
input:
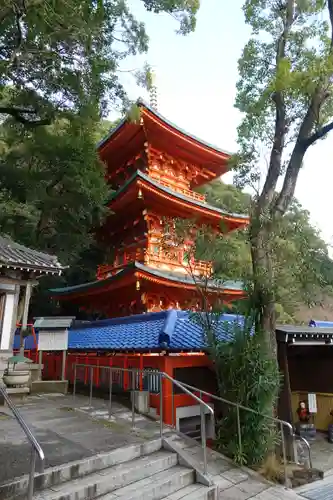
(7, 322)
(7, 286)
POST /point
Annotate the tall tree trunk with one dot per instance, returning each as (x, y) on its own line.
(263, 281)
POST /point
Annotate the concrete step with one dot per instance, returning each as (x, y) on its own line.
(113, 478)
(194, 434)
(55, 476)
(155, 487)
(194, 492)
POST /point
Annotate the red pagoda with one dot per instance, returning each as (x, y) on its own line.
(152, 167)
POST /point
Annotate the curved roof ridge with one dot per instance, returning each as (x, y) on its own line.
(141, 102)
(135, 318)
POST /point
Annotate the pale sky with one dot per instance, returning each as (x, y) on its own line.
(196, 79)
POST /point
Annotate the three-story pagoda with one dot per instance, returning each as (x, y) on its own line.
(152, 167)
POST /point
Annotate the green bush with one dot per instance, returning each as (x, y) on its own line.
(246, 374)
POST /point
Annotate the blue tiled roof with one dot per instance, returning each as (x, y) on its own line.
(133, 332)
(321, 324)
(29, 342)
(172, 329)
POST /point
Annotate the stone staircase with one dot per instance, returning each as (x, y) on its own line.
(145, 471)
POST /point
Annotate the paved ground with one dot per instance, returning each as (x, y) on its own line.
(320, 490)
(238, 483)
(69, 431)
(64, 434)
(322, 453)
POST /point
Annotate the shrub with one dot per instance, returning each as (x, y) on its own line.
(246, 374)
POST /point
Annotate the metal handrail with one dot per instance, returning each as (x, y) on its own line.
(162, 375)
(36, 449)
(307, 444)
(282, 423)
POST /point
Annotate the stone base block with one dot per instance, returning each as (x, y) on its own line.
(49, 386)
(17, 394)
(141, 401)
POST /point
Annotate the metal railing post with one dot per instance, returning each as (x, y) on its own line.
(133, 399)
(32, 474)
(74, 383)
(239, 431)
(36, 448)
(173, 406)
(161, 404)
(284, 455)
(91, 386)
(110, 392)
(203, 436)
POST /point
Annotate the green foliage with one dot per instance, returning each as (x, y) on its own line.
(303, 271)
(284, 93)
(55, 183)
(58, 56)
(246, 375)
(59, 65)
(288, 56)
(183, 10)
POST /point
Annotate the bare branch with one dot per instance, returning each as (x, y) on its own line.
(319, 134)
(296, 159)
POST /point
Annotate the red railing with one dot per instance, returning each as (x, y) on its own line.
(105, 270)
(52, 370)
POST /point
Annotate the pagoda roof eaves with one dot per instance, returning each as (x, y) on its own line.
(213, 284)
(188, 199)
(141, 103)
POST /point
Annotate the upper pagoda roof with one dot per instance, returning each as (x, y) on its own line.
(129, 137)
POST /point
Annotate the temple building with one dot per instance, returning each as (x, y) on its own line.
(153, 168)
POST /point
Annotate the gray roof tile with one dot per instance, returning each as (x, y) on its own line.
(14, 255)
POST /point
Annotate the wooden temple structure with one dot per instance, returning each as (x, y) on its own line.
(153, 168)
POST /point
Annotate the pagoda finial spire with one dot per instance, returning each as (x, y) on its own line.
(153, 91)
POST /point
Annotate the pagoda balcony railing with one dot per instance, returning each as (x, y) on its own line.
(106, 270)
(157, 261)
(186, 192)
(197, 267)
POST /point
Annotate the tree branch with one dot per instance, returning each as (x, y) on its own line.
(319, 134)
(295, 163)
(18, 115)
(306, 137)
(274, 168)
(330, 11)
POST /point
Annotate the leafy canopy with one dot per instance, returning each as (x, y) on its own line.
(58, 56)
(302, 267)
(284, 88)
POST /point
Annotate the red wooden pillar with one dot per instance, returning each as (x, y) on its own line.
(141, 374)
(125, 378)
(167, 367)
(97, 373)
(86, 371)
